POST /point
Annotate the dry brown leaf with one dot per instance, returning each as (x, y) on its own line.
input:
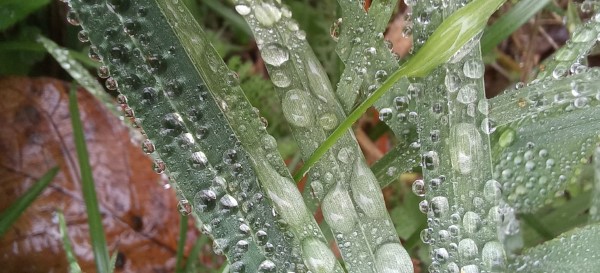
(140, 217)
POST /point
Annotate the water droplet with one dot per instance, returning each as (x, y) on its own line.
(159, 166)
(470, 269)
(507, 138)
(467, 94)
(205, 200)
(401, 103)
(267, 14)
(471, 222)
(418, 187)
(392, 258)
(317, 256)
(334, 31)
(297, 108)
(467, 249)
(243, 10)
(279, 79)
(184, 206)
(473, 69)
(346, 155)
(199, 160)
(439, 206)
(493, 257)
(103, 72)
(338, 210)
(492, 190)
(83, 36)
(430, 160)
(148, 146)
(275, 54)
(385, 114)
(328, 121)
(228, 202)
(72, 18)
(467, 147)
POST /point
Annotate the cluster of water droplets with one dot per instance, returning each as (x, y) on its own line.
(352, 201)
(569, 59)
(228, 188)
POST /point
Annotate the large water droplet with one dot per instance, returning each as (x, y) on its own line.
(467, 94)
(317, 256)
(467, 146)
(297, 108)
(275, 54)
(338, 210)
(473, 69)
(267, 14)
(392, 258)
(243, 10)
(467, 249)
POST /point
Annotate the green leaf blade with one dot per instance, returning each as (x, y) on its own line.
(98, 240)
(12, 213)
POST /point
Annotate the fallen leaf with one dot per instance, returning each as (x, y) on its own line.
(140, 217)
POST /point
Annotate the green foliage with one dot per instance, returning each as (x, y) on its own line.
(97, 237)
(483, 161)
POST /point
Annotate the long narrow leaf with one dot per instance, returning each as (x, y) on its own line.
(67, 245)
(12, 213)
(98, 240)
(577, 250)
(509, 22)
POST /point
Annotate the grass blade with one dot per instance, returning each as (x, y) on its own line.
(12, 213)
(509, 22)
(98, 240)
(576, 250)
(62, 226)
(451, 36)
(183, 226)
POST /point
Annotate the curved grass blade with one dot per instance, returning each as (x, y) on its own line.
(12, 213)
(450, 37)
(509, 22)
(570, 59)
(534, 164)
(98, 240)
(575, 250)
(540, 97)
(62, 227)
(352, 201)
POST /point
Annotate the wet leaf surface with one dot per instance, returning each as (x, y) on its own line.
(139, 215)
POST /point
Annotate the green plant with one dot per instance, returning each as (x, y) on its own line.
(482, 160)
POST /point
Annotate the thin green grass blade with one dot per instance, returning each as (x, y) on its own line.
(540, 97)
(12, 213)
(183, 226)
(450, 37)
(570, 59)
(62, 227)
(98, 240)
(190, 263)
(576, 250)
(509, 22)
